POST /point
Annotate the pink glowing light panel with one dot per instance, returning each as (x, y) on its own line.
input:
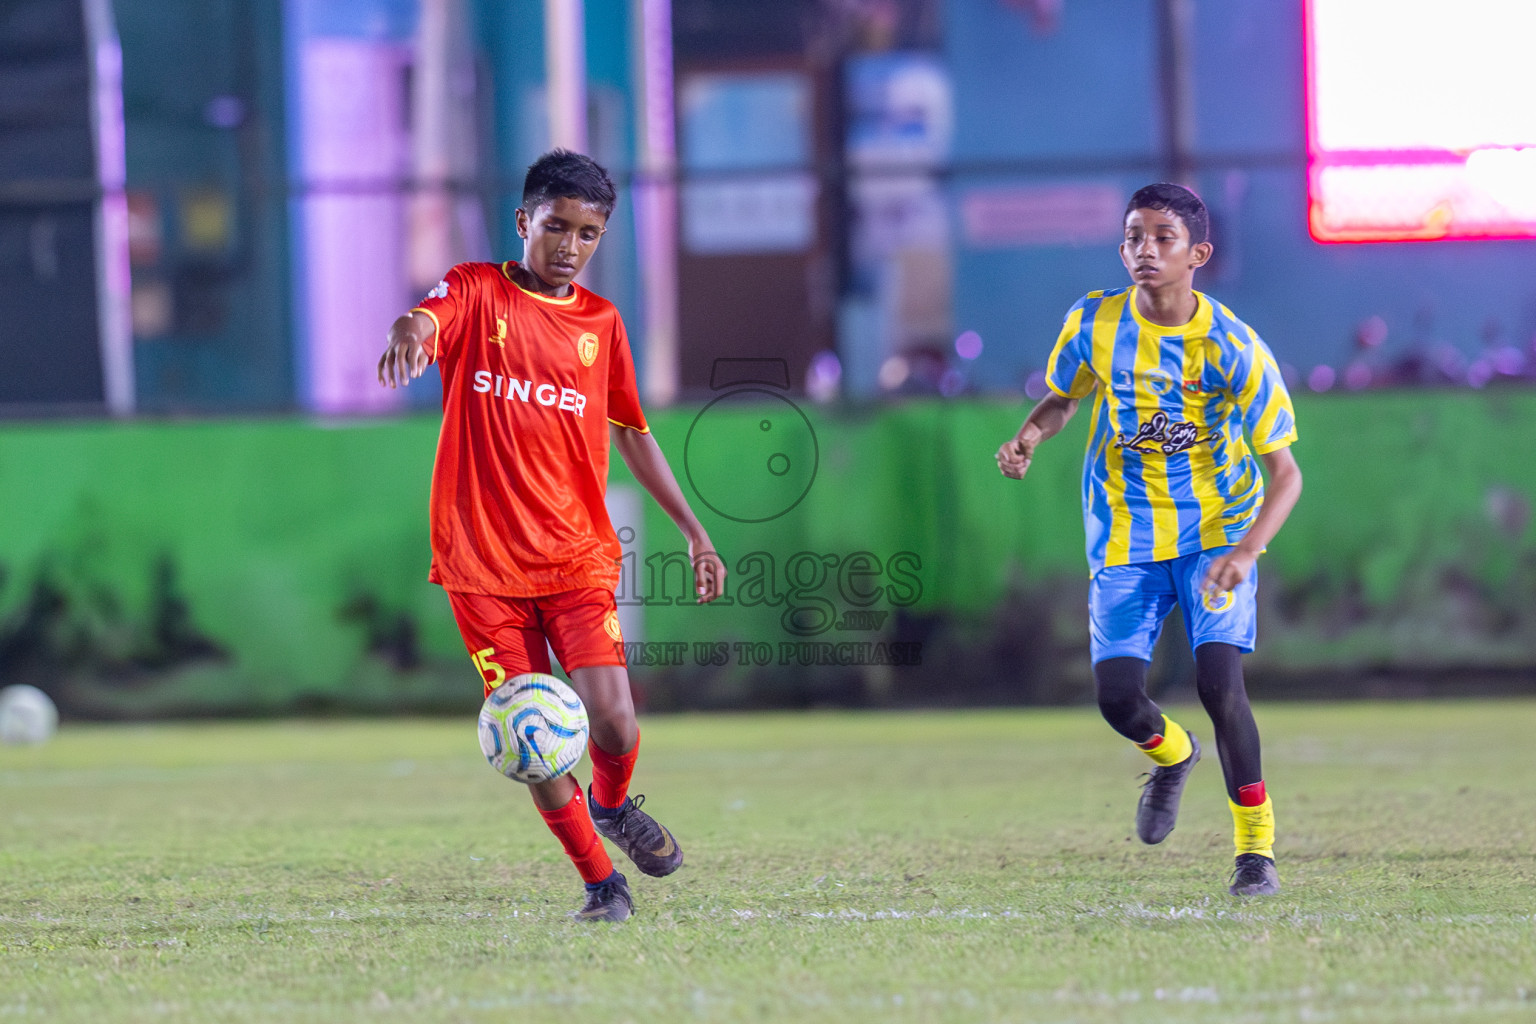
(1421, 119)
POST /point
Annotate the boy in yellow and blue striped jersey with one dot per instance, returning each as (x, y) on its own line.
(1174, 503)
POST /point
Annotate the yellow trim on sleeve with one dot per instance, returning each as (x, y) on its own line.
(437, 328)
(627, 426)
(1274, 446)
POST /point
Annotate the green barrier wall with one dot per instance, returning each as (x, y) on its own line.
(258, 567)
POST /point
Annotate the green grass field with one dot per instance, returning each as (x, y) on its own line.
(891, 867)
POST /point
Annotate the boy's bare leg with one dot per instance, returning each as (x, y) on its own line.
(615, 746)
(604, 689)
(564, 810)
(554, 794)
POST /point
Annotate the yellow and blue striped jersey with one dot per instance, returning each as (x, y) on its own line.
(1168, 471)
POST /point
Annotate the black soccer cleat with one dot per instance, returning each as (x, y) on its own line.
(643, 839)
(1158, 809)
(607, 901)
(1254, 875)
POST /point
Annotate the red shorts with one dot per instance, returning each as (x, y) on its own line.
(507, 636)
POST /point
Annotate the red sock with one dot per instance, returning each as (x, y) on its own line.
(572, 825)
(1252, 795)
(610, 773)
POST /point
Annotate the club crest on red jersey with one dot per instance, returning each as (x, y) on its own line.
(500, 337)
(586, 348)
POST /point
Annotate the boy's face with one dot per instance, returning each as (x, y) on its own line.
(559, 237)
(1156, 251)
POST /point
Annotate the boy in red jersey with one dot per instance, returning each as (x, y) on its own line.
(537, 380)
(1174, 503)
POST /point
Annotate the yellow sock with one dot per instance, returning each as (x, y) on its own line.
(1253, 828)
(1171, 747)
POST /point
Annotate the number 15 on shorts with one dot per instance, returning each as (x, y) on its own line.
(494, 674)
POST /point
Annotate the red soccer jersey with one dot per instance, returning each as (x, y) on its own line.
(530, 384)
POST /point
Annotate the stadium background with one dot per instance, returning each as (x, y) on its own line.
(224, 515)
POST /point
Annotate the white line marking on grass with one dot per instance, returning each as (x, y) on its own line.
(1280, 916)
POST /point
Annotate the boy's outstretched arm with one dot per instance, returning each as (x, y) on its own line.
(1280, 496)
(645, 460)
(405, 354)
(1045, 420)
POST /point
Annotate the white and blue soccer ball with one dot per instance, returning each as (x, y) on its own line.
(533, 728)
(27, 715)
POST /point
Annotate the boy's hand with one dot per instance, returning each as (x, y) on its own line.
(1045, 420)
(708, 569)
(1014, 457)
(1228, 571)
(405, 357)
(402, 362)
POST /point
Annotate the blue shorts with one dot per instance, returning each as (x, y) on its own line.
(1127, 605)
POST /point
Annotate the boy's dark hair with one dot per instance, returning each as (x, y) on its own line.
(562, 174)
(1177, 200)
